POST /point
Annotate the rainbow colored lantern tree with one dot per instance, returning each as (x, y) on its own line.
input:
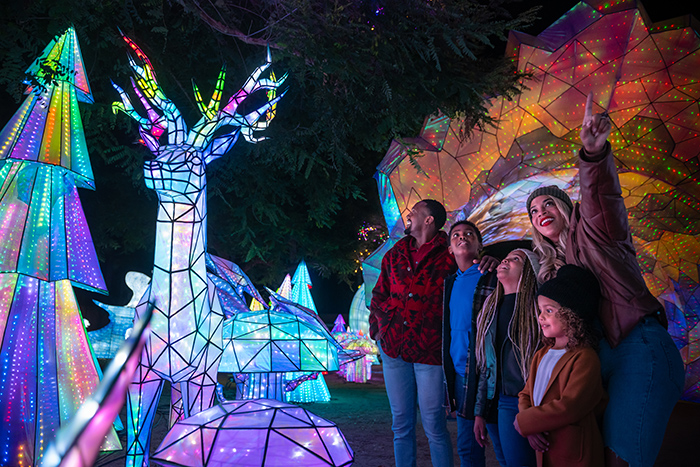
(339, 325)
(647, 77)
(285, 289)
(47, 366)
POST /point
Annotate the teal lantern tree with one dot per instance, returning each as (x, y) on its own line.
(301, 287)
(313, 389)
(46, 362)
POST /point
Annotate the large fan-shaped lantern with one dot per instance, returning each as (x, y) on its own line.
(646, 76)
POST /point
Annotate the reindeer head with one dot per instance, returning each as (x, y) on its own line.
(177, 174)
(179, 168)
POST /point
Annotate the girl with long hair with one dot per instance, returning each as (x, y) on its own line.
(507, 337)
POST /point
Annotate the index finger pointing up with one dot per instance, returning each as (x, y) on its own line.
(588, 115)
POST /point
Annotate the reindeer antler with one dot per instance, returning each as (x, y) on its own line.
(201, 136)
(150, 94)
(202, 132)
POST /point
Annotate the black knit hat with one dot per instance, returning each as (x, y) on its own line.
(551, 190)
(575, 288)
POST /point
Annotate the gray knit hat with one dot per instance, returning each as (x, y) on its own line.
(551, 190)
(532, 257)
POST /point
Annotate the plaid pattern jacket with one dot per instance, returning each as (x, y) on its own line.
(406, 307)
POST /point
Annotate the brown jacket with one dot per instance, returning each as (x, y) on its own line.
(572, 404)
(600, 241)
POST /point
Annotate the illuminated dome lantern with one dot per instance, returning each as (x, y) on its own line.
(645, 76)
(254, 434)
(359, 313)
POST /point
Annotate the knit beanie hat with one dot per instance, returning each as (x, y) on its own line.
(551, 190)
(534, 260)
(575, 288)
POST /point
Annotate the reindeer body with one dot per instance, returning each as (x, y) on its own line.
(185, 344)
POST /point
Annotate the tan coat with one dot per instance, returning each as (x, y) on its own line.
(572, 403)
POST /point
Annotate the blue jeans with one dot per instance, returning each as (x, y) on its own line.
(644, 378)
(469, 451)
(516, 450)
(408, 383)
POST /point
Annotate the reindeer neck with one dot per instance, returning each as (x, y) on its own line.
(181, 235)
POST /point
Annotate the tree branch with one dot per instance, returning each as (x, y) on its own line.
(225, 29)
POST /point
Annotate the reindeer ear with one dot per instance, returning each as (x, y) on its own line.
(219, 146)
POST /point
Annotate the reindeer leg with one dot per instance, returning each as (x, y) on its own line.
(142, 403)
(176, 410)
(199, 392)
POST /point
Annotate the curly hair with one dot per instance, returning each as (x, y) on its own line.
(552, 255)
(581, 333)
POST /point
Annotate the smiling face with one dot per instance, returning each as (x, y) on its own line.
(546, 217)
(464, 245)
(416, 219)
(552, 326)
(510, 270)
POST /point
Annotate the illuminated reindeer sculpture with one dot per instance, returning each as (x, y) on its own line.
(185, 343)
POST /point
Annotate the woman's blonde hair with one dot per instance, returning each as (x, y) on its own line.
(552, 255)
(523, 330)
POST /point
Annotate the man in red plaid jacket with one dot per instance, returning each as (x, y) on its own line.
(406, 320)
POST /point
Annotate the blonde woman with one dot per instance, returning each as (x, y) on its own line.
(641, 367)
(507, 336)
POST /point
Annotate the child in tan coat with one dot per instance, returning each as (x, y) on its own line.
(564, 397)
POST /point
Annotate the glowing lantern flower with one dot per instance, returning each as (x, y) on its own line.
(360, 371)
(286, 338)
(646, 77)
